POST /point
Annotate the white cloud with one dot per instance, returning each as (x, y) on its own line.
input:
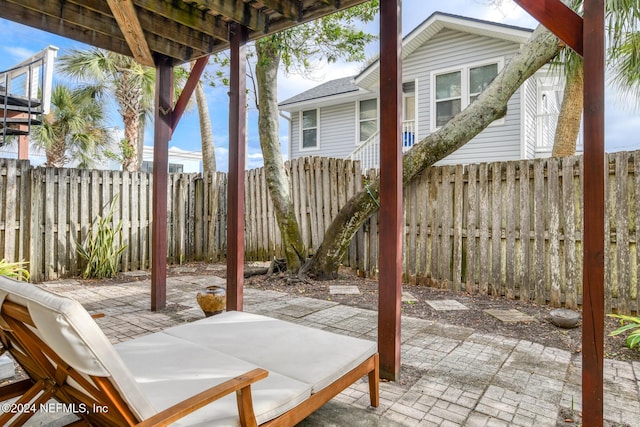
(19, 53)
(292, 84)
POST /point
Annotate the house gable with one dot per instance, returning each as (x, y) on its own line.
(437, 22)
(442, 45)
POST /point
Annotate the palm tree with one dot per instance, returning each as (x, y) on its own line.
(623, 24)
(131, 84)
(625, 62)
(74, 129)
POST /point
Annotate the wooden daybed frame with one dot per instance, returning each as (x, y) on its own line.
(29, 318)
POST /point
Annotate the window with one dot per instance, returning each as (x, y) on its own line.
(368, 119)
(309, 129)
(479, 79)
(147, 166)
(448, 96)
(456, 89)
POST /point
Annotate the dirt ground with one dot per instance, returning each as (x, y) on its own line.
(542, 330)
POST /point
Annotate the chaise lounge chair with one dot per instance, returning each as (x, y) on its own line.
(185, 375)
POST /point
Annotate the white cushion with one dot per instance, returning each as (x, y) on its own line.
(170, 369)
(310, 355)
(65, 326)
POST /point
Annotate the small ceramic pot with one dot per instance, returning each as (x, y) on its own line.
(212, 300)
(565, 318)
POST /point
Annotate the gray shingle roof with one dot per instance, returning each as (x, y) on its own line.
(330, 88)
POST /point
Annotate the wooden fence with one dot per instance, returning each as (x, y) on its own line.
(516, 229)
(511, 228)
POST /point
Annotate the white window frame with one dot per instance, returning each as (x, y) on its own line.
(358, 142)
(464, 87)
(301, 146)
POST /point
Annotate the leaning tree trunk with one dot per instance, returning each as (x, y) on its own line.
(489, 106)
(268, 60)
(568, 127)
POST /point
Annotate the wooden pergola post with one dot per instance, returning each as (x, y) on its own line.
(594, 174)
(587, 37)
(391, 219)
(235, 189)
(161, 136)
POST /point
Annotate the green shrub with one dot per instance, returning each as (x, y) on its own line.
(99, 249)
(15, 270)
(629, 323)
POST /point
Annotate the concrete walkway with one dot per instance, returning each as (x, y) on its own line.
(454, 376)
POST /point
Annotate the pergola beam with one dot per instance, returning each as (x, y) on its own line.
(183, 13)
(125, 15)
(559, 19)
(391, 218)
(594, 217)
(194, 77)
(161, 136)
(246, 15)
(235, 189)
(587, 37)
(287, 8)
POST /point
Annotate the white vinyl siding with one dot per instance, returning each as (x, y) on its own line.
(530, 125)
(449, 50)
(337, 132)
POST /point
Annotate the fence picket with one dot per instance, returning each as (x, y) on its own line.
(512, 228)
(445, 227)
(539, 232)
(636, 223)
(23, 200)
(10, 216)
(524, 249)
(496, 229)
(622, 231)
(511, 212)
(458, 202)
(553, 212)
(472, 228)
(568, 193)
(483, 275)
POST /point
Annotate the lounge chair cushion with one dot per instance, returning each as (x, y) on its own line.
(321, 356)
(65, 326)
(170, 369)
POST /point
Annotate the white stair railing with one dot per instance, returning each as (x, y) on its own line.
(368, 153)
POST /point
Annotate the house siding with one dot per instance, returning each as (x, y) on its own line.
(337, 132)
(450, 49)
(530, 115)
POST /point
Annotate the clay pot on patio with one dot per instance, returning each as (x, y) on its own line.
(212, 300)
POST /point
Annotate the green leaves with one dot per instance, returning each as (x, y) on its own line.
(100, 248)
(15, 270)
(73, 129)
(629, 323)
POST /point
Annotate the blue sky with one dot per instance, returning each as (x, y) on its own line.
(622, 125)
